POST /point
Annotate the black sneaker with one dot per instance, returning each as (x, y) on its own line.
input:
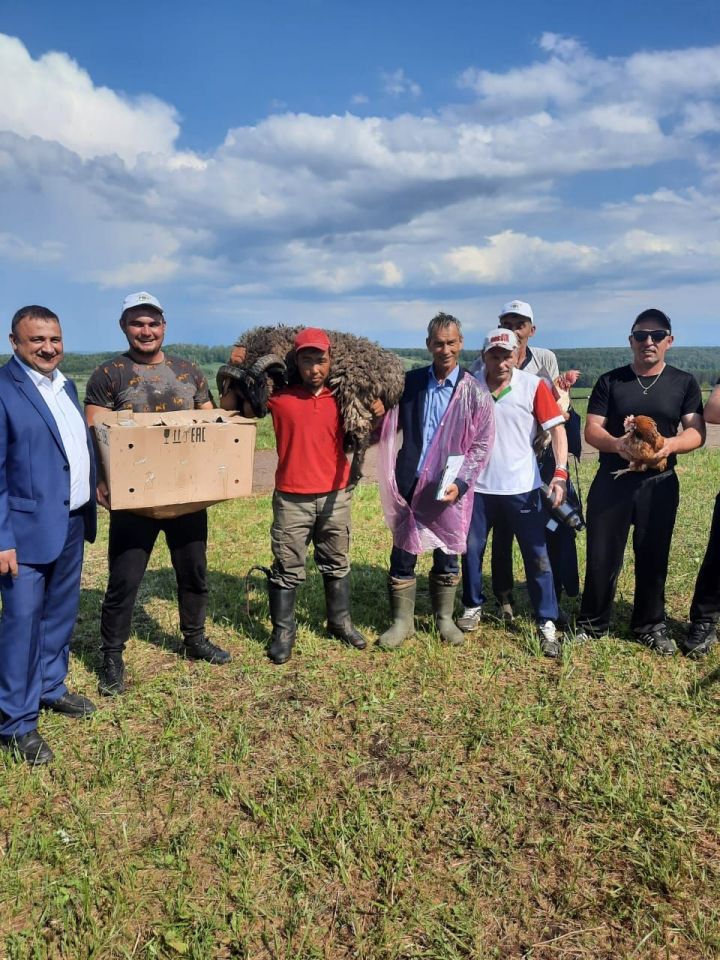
(204, 649)
(112, 677)
(701, 637)
(658, 640)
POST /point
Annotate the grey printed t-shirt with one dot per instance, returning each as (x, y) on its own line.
(122, 384)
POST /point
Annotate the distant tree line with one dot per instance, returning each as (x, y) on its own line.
(702, 362)
(82, 364)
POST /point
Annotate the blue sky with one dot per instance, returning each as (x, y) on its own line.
(362, 166)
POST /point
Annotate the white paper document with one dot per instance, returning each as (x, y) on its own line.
(449, 474)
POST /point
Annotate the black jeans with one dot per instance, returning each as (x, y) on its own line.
(705, 605)
(132, 538)
(649, 502)
(402, 563)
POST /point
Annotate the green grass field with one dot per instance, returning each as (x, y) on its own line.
(433, 803)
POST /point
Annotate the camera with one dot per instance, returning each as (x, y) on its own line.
(566, 514)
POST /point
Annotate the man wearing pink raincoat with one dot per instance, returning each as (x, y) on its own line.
(443, 412)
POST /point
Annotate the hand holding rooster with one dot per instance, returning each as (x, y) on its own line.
(643, 446)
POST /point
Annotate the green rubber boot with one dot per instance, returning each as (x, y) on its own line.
(402, 608)
(443, 587)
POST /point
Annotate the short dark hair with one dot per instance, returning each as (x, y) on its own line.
(146, 309)
(657, 316)
(440, 321)
(32, 310)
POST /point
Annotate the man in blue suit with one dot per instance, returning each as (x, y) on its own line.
(47, 510)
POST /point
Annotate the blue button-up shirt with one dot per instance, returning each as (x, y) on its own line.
(436, 403)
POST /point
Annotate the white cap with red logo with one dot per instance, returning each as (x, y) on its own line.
(499, 337)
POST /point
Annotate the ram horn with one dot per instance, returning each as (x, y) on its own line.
(262, 364)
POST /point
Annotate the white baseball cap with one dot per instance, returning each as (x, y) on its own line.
(141, 299)
(519, 307)
(505, 339)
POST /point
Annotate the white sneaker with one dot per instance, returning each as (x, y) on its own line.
(470, 619)
(549, 643)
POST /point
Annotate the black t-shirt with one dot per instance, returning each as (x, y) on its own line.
(122, 384)
(618, 394)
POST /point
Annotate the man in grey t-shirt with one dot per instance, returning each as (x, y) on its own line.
(144, 379)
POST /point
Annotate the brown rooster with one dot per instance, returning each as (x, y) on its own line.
(642, 442)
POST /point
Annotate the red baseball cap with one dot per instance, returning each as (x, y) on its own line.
(311, 337)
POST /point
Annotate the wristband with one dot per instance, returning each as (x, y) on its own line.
(561, 474)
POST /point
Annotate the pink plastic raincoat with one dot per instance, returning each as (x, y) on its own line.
(468, 427)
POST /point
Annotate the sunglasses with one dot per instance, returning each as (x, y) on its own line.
(657, 336)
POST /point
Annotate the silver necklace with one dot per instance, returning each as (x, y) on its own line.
(650, 385)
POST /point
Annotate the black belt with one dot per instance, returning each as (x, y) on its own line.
(79, 512)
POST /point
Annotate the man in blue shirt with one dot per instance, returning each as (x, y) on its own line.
(425, 400)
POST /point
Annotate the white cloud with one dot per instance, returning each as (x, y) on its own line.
(15, 248)
(674, 73)
(472, 196)
(398, 85)
(507, 256)
(139, 274)
(700, 117)
(389, 274)
(55, 99)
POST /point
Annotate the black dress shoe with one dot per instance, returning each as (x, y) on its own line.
(204, 649)
(72, 705)
(29, 746)
(112, 676)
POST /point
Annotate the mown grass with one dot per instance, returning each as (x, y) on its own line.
(434, 803)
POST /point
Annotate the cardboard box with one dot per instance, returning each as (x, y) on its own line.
(167, 464)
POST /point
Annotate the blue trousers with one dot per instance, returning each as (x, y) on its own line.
(39, 610)
(523, 514)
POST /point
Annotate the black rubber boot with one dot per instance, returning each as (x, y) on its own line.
(282, 614)
(443, 587)
(402, 607)
(339, 622)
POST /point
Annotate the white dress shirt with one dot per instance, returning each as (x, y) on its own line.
(71, 427)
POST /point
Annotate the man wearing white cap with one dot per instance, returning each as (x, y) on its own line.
(508, 488)
(145, 380)
(517, 315)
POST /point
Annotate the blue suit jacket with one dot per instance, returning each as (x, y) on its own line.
(35, 473)
(410, 421)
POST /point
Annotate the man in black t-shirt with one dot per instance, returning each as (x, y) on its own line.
(648, 500)
(145, 380)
